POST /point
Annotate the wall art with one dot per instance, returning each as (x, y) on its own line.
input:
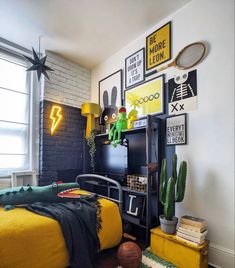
(148, 98)
(176, 130)
(110, 96)
(158, 46)
(182, 93)
(135, 69)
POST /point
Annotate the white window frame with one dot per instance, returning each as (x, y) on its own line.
(34, 109)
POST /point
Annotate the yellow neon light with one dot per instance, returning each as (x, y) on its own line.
(56, 117)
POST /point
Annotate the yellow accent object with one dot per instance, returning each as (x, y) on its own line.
(181, 253)
(91, 111)
(158, 46)
(55, 117)
(30, 240)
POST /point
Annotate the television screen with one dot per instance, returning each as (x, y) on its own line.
(112, 161)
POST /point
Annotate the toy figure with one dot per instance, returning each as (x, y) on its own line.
(117, 128)
(110, 112)
(133, 114)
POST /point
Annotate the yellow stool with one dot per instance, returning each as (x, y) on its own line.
(182, 254)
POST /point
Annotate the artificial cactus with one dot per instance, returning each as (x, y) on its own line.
(172, 189)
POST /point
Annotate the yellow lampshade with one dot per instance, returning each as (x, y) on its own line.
(91, 111)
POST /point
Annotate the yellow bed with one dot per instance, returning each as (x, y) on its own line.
(28, 240)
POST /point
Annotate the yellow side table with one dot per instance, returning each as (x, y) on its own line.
(182, 254)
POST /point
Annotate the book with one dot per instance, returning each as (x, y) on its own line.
(193, 233)
(193, 221)
(186, 240)
(193, 228)
(190, 238)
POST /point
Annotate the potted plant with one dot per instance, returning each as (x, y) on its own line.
(92, 149)
(171, 190)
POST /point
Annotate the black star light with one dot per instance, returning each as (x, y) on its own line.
(38, 65)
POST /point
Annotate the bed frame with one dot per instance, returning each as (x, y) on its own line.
(91, 177)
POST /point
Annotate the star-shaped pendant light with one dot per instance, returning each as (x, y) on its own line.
(38, 65)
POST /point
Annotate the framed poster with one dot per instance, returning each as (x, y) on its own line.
(135, 68)
(158, 46)
(110, 96)
(147, 98)
(182, 93)
(176, 130)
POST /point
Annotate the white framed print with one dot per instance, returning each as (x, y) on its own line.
(135, 69)
(176, 130)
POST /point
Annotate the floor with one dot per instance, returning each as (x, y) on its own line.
(108, 259)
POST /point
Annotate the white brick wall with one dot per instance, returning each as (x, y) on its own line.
(69, 84)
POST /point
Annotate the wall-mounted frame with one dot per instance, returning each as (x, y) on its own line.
(110, 90)
(148, 97)
(158, 46)
(135, 69)
(176, 130)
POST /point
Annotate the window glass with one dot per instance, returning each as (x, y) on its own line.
(13, 162)
(13, 138)
(14, 114)
(13, 76)
(14, 106)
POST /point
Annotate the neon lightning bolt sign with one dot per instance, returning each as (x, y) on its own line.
(55, 117)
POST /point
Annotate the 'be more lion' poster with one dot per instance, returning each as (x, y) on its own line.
(158, 46)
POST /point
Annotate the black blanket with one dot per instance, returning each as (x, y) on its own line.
(80, 221)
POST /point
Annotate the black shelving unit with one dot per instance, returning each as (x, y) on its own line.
(145, 147)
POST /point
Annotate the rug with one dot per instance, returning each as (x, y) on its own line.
(150, 260)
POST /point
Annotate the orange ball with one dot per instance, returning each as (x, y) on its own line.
(129, 255)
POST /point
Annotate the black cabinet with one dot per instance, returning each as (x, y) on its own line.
(146, 148)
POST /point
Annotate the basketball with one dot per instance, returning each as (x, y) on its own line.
(129, 255)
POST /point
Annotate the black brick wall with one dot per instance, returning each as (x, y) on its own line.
(61, 154)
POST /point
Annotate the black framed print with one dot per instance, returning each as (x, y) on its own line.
(146, 98)
(176, 130)
(158, 46)
(135, 69)
(110, 90)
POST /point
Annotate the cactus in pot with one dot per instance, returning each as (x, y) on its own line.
(171, 190)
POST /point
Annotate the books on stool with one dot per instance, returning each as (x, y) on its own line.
(192, 229)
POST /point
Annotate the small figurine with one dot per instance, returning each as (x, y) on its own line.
(117, 128)
(133, 114)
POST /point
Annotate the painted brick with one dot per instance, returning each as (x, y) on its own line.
(61, 153)
(69, 84)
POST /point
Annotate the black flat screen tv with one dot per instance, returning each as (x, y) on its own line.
(112, 161)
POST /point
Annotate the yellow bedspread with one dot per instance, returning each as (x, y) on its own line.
(28, 240)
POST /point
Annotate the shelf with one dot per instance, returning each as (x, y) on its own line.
(132, 219)
(127, 131)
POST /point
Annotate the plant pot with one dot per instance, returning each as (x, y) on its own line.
(168, 227)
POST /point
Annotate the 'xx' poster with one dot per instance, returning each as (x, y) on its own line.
(182, 93)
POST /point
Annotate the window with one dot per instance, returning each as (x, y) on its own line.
(15, 113)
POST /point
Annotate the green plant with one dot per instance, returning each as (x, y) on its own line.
(172, 189)
(92, 149)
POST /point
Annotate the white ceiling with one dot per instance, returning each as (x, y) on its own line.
(84, 31)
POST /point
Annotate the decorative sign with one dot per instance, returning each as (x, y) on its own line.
(182, 93)
(135, 69)
(140, 123)
(133, 204)
(55, 117)
(148, 97)
(176, 130)
(158, 46)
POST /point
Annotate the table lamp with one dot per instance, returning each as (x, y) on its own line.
(91, 111)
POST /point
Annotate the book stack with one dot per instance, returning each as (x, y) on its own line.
(192, 229)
